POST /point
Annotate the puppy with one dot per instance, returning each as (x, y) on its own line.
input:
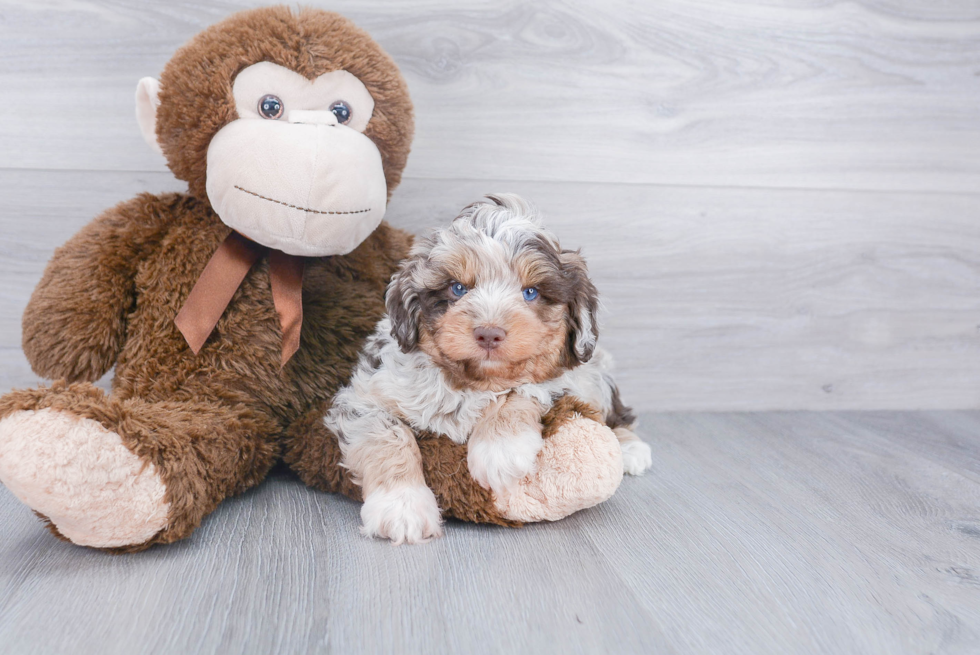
(488, 322)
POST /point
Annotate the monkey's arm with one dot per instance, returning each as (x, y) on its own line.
(75, 323)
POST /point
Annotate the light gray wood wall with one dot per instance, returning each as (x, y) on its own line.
(780, 201)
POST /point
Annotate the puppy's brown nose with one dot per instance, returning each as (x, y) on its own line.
(489, 337)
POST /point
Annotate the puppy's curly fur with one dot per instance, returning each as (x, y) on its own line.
(488, 322)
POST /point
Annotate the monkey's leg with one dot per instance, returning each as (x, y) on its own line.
(580, 465)
(126, 474)
(312, 451)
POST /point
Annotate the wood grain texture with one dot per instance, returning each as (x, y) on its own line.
(754, 533)
(714, 299)
(874, 94)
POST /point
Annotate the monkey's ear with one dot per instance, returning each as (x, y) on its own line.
(147, 101)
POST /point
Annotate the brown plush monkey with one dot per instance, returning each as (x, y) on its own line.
(291, 130)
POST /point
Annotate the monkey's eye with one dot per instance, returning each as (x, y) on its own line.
(458, 289)
(342, 111)
(530, 294)
(270, 107)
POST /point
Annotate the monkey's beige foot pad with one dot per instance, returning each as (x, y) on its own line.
(579, 466)
(81, 477)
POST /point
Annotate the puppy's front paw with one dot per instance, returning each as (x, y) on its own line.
(405, 514)
(637, 457)
(500, 463)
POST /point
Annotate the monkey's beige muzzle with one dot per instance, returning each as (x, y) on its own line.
(306, 186)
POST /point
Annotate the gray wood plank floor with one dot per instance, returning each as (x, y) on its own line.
(754, 533)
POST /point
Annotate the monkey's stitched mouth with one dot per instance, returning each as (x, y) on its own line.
(302, 209)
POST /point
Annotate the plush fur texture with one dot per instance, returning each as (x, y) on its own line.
(428, 368)
(196, 98)
(572, 458)
(585, 464)
(210, 425)
(82, 477)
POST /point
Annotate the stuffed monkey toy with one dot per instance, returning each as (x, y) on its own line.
(233, 312)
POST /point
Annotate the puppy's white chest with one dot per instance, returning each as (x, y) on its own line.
(453, 413)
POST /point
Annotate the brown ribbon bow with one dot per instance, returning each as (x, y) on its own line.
(222, 276)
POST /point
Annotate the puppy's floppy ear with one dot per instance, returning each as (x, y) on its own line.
(403, 307)
(583, 307)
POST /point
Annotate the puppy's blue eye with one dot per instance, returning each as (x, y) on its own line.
(458, 289)
(530, 294)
